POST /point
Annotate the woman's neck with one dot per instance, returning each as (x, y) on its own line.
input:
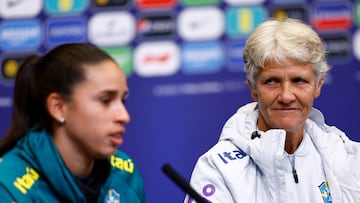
(292, 141)
(75, 159)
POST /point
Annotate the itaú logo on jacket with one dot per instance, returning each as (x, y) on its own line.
(24, 183)
(231, 156)
(121, 164)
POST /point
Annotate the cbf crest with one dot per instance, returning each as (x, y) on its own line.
(112, 197)
(325, 193)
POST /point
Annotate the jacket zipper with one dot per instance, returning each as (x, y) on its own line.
(292, 161)
(296, 179)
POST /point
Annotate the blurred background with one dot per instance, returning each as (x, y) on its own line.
(183, 60)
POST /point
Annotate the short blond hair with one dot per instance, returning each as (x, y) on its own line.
(278, 40)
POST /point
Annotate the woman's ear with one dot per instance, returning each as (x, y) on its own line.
(55, 105)
(319, 87)
(252, 89)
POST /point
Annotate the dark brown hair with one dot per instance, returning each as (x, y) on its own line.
(57, 71)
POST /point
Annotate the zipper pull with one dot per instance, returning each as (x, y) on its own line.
(296, 179)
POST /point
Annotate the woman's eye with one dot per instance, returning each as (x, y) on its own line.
(105, 100)
(299, 80)
(270, 81)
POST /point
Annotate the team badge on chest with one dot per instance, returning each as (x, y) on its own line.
(112, 197)
(325, 193)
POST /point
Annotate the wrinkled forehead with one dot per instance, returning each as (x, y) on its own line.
(284, 61)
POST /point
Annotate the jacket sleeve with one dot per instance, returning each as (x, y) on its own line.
(207, 180)
(138, 184)
(343, 157)
(349, 177)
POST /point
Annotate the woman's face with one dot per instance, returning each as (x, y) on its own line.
(285, 94)
(96, 114)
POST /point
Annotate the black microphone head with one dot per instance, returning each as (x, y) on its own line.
(255, 134)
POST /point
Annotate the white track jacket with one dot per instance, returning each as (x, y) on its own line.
(324, 169)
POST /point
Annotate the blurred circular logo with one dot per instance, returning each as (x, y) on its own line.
(10, 68)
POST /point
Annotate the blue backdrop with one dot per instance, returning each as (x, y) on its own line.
(184, 66)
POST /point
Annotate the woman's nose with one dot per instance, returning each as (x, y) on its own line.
(122, 115)
(286, 93)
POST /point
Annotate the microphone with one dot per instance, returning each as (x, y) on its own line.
(255, 134)
(180, 181)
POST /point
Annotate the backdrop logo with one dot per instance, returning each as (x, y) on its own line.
(240, 22)
(288, 1)
(20, 35)
(245, 2)
(9, 68)
(54, 7)
(122, 56)
(202, 57)
(205, 23)
(332, 16)
(356, 49)
(357, 12)
(297, 12)
(144, 4)
(199, 2)
(110, 3)
(156, 59)
(155, 26)
(235, 50)
(62, 31)
(111, 28)
(338, 47)
(20, 8)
